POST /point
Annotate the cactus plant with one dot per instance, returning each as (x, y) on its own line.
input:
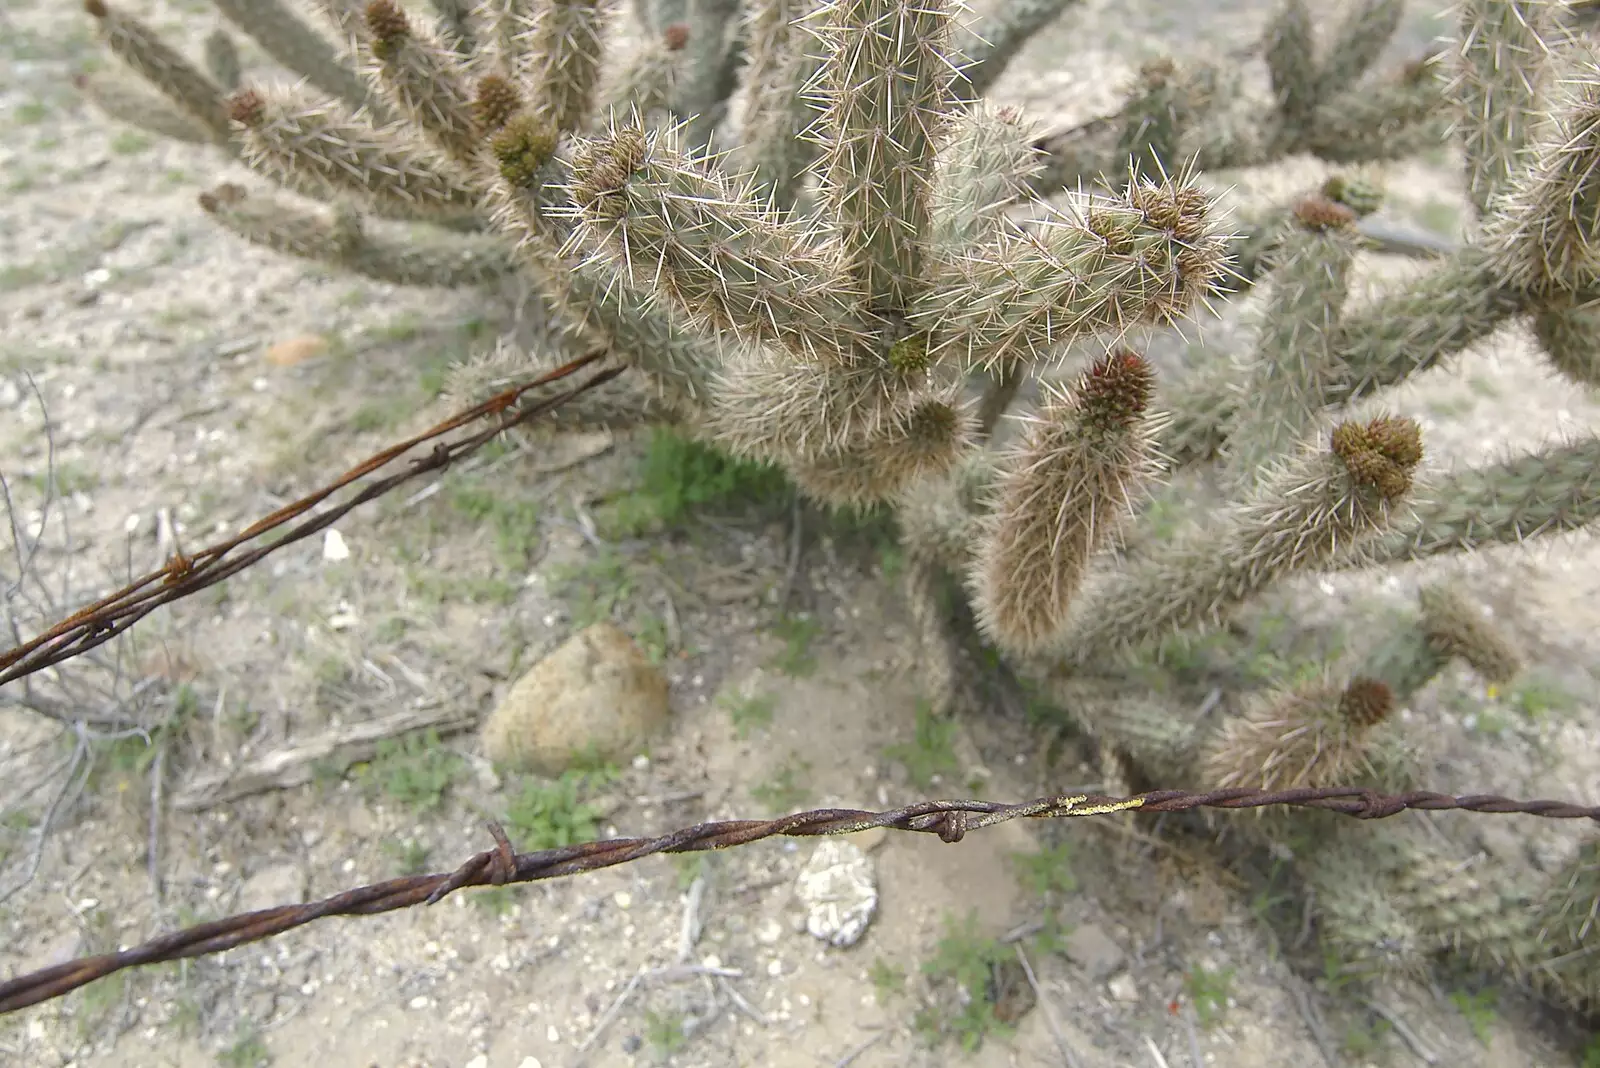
(820, 297)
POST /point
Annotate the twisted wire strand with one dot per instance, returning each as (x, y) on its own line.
(183, 576)
(949, 820)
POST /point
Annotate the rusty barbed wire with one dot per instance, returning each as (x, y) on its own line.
(950, 820)
(183, 575)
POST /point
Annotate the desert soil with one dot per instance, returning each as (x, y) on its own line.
(192, 383)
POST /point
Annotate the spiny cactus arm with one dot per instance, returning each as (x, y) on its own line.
(641, 80)
(1386, 121)
(886, 95)
(782, 59)
(1358, 42)
(638, 328)
(313, 145)
(927, 443)
(1456, 628)
(1143, 725)
(455, 25)
(337, 237)
(1284, 384)
(1314, 733)
(1290, 50)
(985, 167)
(1500, 56)
(1552, 491)
(1148, 255)
(988, 46)
(671, 226)
(146, 54)
(222, 59)
(555, 57)
(1567, 928)
(1546, 233)
(708, 72)
(424, 81)
(287, 38)
(133, 102)
(1400, 655)
(1298, 519)
(939, 516)
(1569, 334)
(1082, 463)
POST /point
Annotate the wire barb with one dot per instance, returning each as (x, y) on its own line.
(950, 820)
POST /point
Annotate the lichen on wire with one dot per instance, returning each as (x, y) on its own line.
(950, 820)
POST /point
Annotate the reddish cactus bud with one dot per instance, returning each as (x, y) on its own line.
(1319, 214)
(496, 101)
(246, 107)
(676, 36)
(1380, 454)
(1116, 390)
(1366, 702)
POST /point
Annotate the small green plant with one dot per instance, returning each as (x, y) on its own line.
(931, 752)
(596, 588)
(414, 770)
(664, 1033)
(677, 476)
(410, 856)
(1479, 1010)
(1362, 1041)
(1208, 992)
(495, 900)
(247, 1051)
(750, 713)
(783, 792)
(654, 639)
(515, 523)
(798, 633)
(1591, 1053)
(1537, 695)
(550, 814)
(886, 979)
(1048, 870)
(129, 143)
(691, 866)
(967, 959)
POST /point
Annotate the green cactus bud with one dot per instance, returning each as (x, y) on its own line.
(495, 102)
(523, 145)
(1360, 196)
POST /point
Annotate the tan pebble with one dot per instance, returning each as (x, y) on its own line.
(296, 350)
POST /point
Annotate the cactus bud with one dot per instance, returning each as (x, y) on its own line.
(1320, 214)
(522, 147)
(1380, 454)
(1366, 702)
(496, 101)
(676, 36)
(387, 21)
(910, 353)
(246, 108)
(1359, 196)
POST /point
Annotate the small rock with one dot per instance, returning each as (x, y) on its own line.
(281, 884)
(334, 547)
(1092, 949)
(839, 891)
(480, 1061)
(596, 696)
(296, 350)
(1122, 988)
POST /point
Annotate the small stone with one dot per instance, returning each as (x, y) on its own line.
(480, 1061)
(1091, 949)
(623, 899)
(595, 696)
(296, 350)
(334, 548)
(769, 932)
(839, 891)
(1122, 988)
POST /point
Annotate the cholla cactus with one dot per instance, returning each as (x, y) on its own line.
(818, 297)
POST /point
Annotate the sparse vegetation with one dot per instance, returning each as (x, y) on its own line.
(1209, 990)
(966, 960)
(930, 755)
(783, 791)
(1479, 1010)
(247, 1051)
(547, 814)
(414, 770)
(678, 476)
(750, 713)
(798, 633)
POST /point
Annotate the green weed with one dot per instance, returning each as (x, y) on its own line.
(886, 979)
(595, 589)
(514, 523)
(410, 856)
(414, 770)
(1048, 870)
(1479, 1010)
(677, 476)
(968, 960)
(1361, 1043)
(664, 1033)
(495, 900)
(1538, 695)
(750, 713)
(248, 1051)
(798, 633)
(1208, 992)
(931, 752)
(783, 792)
(549, 814)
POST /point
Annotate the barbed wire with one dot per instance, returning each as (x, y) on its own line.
(183, 575)
(950, 820)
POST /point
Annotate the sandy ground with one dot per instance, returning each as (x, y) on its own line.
(146, 335)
